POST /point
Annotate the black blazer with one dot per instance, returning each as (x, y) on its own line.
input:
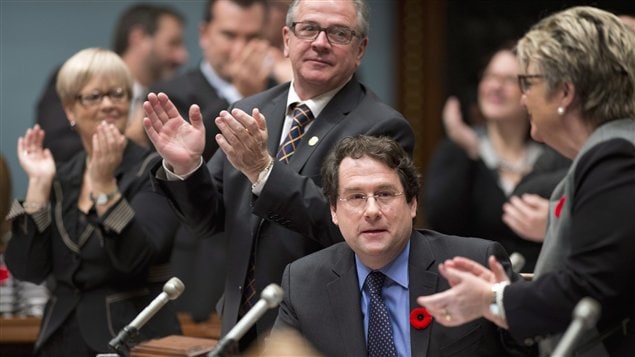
(278, 223)
(326, 309)
(107, 269)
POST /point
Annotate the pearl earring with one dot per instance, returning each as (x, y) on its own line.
(73, 124)
(560, 110)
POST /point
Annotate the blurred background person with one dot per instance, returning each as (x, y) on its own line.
(93, 223)
(475, 171)
(281, 71)
(149, 38)
(578, 83)
(234, 63)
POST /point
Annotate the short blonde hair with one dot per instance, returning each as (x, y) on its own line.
(87, 64)
(592, 49)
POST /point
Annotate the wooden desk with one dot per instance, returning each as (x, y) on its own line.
(19, 329)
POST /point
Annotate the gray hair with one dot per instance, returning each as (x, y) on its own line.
(361, 9)
(592, 49)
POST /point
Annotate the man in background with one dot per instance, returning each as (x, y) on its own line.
(149, 38)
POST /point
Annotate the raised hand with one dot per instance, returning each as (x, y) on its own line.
(460, 133)
(527, 216)
(243, 138)
(36, 161)
(179, 143)
(38, 164)
(108, 144)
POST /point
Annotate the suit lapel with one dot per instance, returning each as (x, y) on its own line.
(344, 299)
(275, 112)
(329, 119)
(422, 281)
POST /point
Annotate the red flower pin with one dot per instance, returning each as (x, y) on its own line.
(420, 318)
(558, 208)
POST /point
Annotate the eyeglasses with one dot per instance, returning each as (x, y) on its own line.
(117, 95)
(337, 35)
(524, 83)
(500, 78)
(358, 201)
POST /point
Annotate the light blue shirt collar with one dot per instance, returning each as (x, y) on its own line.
(225, 89)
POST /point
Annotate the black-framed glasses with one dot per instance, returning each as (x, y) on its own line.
(358, 201)
(337, 35)
(116, 95)
(524, 83)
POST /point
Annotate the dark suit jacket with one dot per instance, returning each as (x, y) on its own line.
(193, 88)
(322, 299)
(285, 222)
(106, 269)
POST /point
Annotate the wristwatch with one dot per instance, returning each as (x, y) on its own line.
(102, 198)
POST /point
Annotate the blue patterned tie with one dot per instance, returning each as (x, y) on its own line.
(302, 115)
(380, 341)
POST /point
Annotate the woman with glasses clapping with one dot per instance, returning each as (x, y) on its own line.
(92, 226)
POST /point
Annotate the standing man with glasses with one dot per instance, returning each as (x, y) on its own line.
(263, 187)
(360, 298)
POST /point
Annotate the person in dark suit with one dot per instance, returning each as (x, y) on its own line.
(233, 66)
(372, 187)
(230, 30)
(149, 38)
(578, 86)
(263, 204)
(92, 224)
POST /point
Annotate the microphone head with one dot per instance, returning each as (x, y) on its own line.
(173, 288)
(588, 311)
(517, 260)
(273, 295)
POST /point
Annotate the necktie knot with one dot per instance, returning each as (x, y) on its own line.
(302, 114)
(375, 282)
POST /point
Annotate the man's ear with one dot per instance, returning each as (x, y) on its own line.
(334, 215)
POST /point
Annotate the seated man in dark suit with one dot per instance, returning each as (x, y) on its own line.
(357, 298)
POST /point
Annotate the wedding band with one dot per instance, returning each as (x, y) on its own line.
(447, 315)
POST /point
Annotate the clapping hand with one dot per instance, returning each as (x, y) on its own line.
(527, 216)
(108, 144)
(179, 143)
(460, 133)
(36, 161)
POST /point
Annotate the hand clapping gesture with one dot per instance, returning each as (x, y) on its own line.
(107, 152)
(179, 143)
(38, 164)
(460, 133)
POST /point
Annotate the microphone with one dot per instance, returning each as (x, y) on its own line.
(518, 261)
(585, 314)
(171, 290)
(270, 297)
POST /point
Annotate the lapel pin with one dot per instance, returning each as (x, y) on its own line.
(313, 140)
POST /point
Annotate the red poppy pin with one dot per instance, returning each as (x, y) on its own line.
(420, 318)
(558, 208)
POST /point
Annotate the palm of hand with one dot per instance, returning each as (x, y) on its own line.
(180, 140)
(37, 164)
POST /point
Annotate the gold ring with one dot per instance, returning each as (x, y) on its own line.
(447, 315)
(247, 130)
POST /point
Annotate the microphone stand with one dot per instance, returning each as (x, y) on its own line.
(126, 338)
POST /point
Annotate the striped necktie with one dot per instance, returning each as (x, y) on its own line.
(302, 116)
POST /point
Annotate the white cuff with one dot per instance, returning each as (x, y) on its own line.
(171, 176)
(263, 176)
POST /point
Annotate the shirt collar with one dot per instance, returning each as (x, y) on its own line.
(316, 104)
(225, 89)
(397, 270)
